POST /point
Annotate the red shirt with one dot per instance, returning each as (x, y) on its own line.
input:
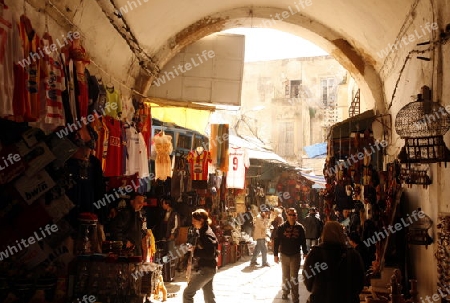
(198, 164)
(113, 165)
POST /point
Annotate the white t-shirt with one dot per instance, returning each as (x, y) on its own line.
(137, 161)
(238, 162)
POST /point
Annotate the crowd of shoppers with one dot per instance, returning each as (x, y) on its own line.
(335, 259)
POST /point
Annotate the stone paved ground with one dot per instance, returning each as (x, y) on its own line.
(240, 282)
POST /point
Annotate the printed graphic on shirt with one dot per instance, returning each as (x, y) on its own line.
(291, 232)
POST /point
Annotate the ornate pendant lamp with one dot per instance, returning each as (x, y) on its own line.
(423, 124)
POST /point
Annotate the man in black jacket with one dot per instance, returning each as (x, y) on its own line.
(313, 228)
(291, 236)
(127, 226)
(170, 224)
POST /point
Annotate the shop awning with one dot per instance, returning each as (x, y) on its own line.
(256, 149)
(318, 186)
(318, 180)
(358, 123)
(265, 155)
(316, 150)
(191, 118)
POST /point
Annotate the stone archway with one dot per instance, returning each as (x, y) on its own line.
(359, 64)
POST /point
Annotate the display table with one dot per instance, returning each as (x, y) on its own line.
(112, 279)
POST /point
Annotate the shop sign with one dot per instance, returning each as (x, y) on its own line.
(31, 188)
(12, 165)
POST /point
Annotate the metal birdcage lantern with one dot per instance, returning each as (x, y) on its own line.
(422, 124)
(418, 231)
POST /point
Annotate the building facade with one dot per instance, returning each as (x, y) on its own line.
(301, 98)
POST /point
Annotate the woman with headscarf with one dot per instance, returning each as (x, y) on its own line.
(333, 272)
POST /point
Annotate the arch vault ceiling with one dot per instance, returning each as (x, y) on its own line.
(154, 31)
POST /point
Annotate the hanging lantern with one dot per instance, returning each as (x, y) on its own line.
(423, 124)
(417, 233)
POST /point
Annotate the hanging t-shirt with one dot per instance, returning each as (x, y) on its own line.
(115, 149)
(238, 162)
(26, 103)
(145, 124)
(31, 43)
(101, 146)
(113, 104)
(143, 154)
(54, 84)
(136, 154)
(10, 51)
(198, 164)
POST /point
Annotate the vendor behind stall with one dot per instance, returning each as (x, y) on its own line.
(127, 226)
(170, 225)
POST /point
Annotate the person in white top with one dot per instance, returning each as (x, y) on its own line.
(259, 234)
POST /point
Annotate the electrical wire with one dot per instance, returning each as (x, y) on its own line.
(115, 79)
(434, 44)
(403, 29)
(130, 38)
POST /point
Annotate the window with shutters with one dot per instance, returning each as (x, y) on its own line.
(286, 139)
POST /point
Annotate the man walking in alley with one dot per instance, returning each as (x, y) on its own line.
(259, 234)
(291, 236)
(313, 228)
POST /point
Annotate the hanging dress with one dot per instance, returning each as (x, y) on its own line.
(163, 165)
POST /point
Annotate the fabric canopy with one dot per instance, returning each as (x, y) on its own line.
(255, 149)
(319, 180)
(265, 155)
(190, 118)
(316, 150)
